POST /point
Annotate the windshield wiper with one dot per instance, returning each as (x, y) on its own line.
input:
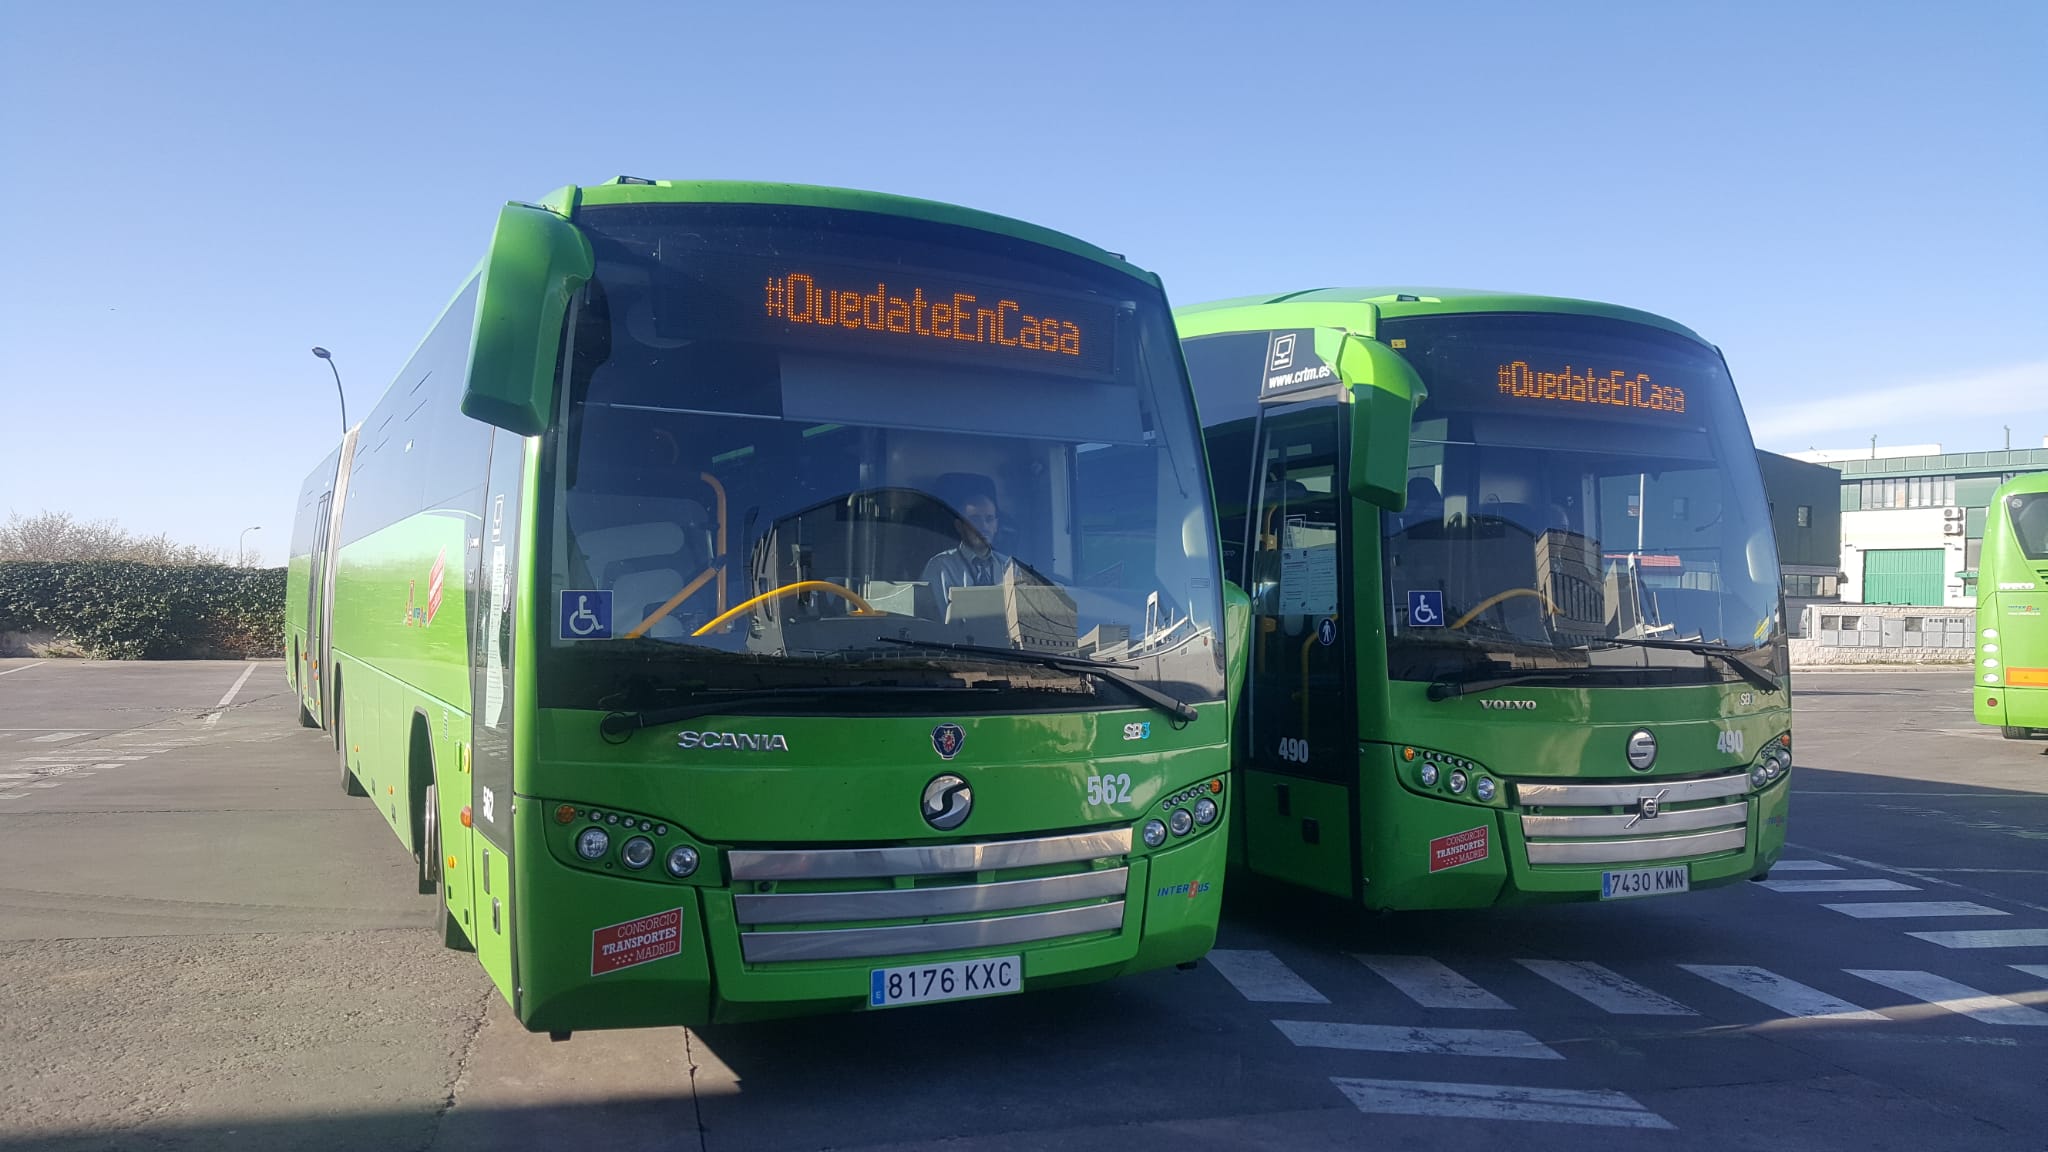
(1177, 709)
(618, 727)
(1487, 677)
(1730, 656)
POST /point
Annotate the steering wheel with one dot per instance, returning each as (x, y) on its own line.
(860, 606)
(1510, 594)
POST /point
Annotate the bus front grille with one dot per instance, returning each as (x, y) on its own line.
(1580, 824)
(859, 903)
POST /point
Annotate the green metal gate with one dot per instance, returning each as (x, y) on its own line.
(1902, 576)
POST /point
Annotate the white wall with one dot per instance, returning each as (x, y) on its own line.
(1900, 528)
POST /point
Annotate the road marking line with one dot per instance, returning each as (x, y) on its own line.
(1431, 984)
(17, 775)
(1868, 885)
(213, 717)
(1496, 1042)
(1958, 998)
(76, 758)
(1498, 1102)
(45, 784)
(1605, 988)
(13, 795)
(1988, 938)
(2040, 970)
(53, 737)
(1921, 876)
(1787, 996)
(1901, 909)
(24, 668)
(1805, 866)
(1263, 978)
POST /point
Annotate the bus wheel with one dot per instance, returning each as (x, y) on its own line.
(350, 786)
(2012, 733)
(429, 854)
(306, 718)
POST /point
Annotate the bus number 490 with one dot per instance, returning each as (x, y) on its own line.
(1294, 749)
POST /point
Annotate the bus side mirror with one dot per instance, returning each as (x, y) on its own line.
(1383, 394)
(538, 261)
(1237, 635)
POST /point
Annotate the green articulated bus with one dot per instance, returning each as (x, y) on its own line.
(2012, 610)
(758, 599)
(1517, 629)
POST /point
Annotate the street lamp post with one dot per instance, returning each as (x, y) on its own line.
(324, 354)
(242, 553)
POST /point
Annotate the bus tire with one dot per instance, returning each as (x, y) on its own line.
(429, 855)
(2012, 733)
(306, 718)
(350, 786)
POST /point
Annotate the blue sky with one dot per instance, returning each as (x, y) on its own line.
(1848, 198)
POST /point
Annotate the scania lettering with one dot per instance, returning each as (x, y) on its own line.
(777, 588)
(1515, 597)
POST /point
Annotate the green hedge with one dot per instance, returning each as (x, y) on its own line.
(118, 610)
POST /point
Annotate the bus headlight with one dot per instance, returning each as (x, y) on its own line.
(1484, 789)
(1457, 782)
(1205, 811)
(637, 853)
(1154, 833)
(682, 861)
(1180, 821)
(593, 843)
(1428, 773)
(1759, 775)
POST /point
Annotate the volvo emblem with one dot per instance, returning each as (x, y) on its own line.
(947, 739)
(1647, 808)
(1642, 750)
(947, 802)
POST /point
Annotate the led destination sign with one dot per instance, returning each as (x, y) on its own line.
(1615, 389)
(1063, 335)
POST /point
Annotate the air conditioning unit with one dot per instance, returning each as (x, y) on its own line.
(1952, 528)
(1951, 513)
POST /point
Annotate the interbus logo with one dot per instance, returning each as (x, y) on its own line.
(1508, 705)
(742, 741)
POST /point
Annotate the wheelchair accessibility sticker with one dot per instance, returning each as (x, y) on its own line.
(1425, 608)
(587, 614)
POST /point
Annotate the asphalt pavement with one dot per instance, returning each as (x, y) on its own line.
(205, 945)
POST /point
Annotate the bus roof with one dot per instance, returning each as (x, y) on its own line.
(1400, 302)
(632, 190)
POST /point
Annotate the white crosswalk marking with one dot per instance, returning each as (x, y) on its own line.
(1263, 978)
(1605, 988)
(1869, 885)
(1431, 984)
(54, 737)
(1497, 1042)
(2040, 970)
(13, 795)
(1906, 909)
(1498, 1102)
(1787, 996)
(1961, 998)
(1988, 938)
(1805, 866)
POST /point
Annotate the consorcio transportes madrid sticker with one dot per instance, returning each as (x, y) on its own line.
(636, 942)
(1467, 847)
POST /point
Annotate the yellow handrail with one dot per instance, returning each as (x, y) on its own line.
(861, 607)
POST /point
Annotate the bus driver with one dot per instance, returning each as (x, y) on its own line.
(975, 561)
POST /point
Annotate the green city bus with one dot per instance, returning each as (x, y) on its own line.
(1517, 629)
(2012, 610)
(759, 599)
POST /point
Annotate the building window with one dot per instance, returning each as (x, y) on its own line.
(1805, 515)
(1913, 623)
(1831, 623)
(1909, 492)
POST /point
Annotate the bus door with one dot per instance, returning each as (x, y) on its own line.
(1301, 768)
(494, 579)
(310, 674)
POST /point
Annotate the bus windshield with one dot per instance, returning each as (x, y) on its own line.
(2029, 513)
(802, 447)
(1574, 484)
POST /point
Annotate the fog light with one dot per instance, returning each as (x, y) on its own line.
(1180, 821)
(1205, 811)
(637, 853)
(1484, 789)
(1457, 782)
(593, 843)
(682, 860)
(1428, 774)
(1155, 833)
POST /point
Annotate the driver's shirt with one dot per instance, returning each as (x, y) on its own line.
(958, 568)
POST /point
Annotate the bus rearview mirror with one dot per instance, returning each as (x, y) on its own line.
(538, 261)
(1384, 389)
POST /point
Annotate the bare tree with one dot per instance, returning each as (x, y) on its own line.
(62, 536)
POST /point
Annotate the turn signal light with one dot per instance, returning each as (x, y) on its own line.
(2026, 677)
(465, 817)
(566, 814)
